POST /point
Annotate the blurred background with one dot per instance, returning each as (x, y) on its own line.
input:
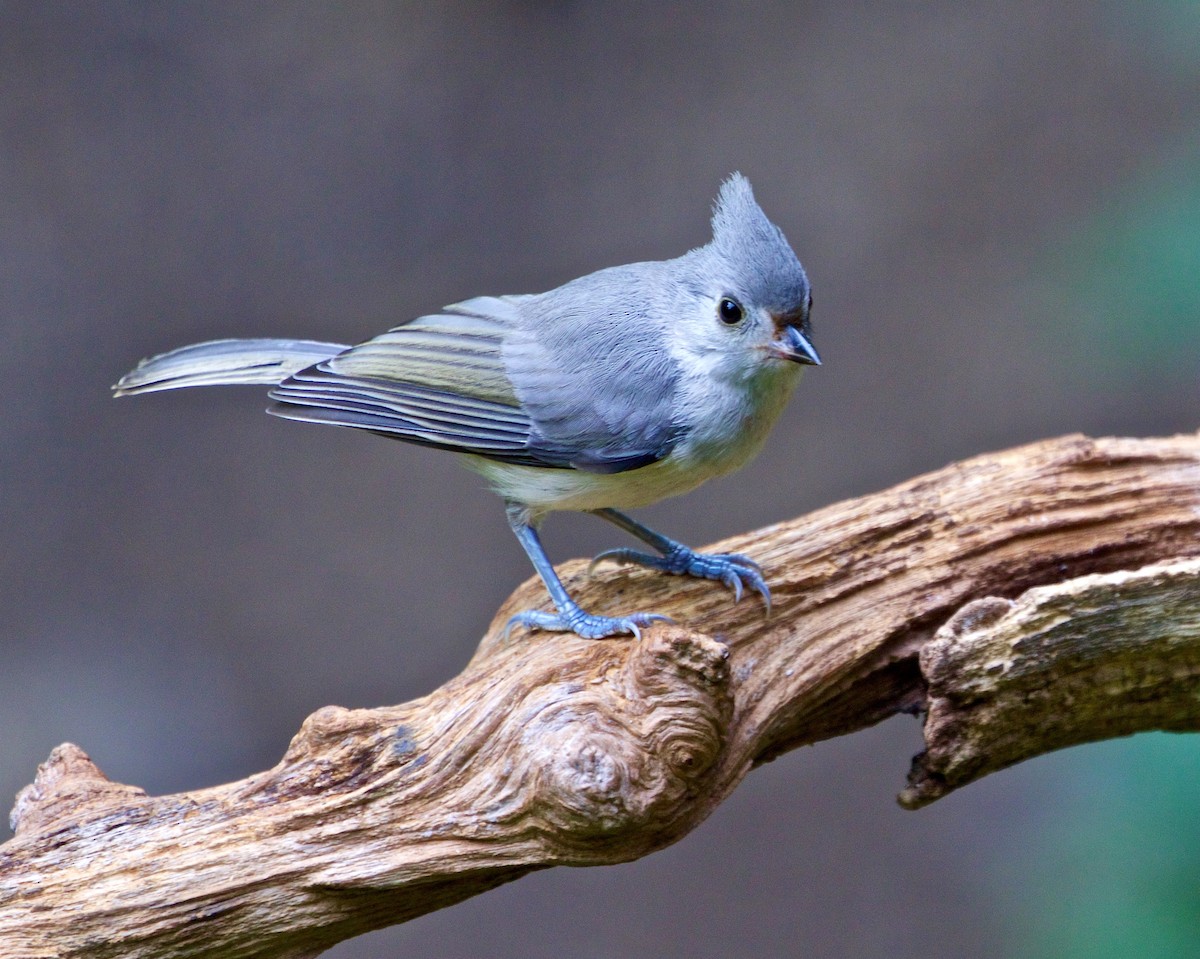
(999, 207)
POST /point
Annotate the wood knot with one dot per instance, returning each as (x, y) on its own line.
(68, 788)
(321, 730)
(977, 614)
(343, 749)
(629, 748)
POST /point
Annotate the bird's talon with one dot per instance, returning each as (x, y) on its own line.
(734, 583)
(617, 556)
(583, 624)
(732, 570)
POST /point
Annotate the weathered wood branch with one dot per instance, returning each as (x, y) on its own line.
(1087, 659)
(1026, 600)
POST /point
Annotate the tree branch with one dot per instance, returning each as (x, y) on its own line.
(1091, 658)
(1006, 596)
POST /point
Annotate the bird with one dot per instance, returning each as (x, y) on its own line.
(608, 393)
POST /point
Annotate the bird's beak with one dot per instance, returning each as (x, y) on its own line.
(795, 346)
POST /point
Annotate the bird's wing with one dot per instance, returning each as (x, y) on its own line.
(439, 380)
(446, 380)
(594, 374)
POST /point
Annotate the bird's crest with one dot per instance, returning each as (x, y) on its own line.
(743, 234)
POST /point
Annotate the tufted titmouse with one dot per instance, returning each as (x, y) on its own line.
(612, 391)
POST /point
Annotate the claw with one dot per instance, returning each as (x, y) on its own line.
(740, 559)
(733, 570)
(621, 557)
(734, 582)
(585, 625)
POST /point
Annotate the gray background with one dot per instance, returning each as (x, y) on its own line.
(183, 579)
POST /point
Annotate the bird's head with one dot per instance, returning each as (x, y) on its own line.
(751, 301)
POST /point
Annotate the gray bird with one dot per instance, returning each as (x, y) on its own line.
(612, 391)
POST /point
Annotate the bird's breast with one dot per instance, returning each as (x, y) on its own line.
(547, 489)
(725, 427)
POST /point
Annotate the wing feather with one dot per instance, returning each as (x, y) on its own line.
(474, 379)
(439, 380)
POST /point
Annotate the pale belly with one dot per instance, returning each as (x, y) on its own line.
(732, 438)
(546, 490)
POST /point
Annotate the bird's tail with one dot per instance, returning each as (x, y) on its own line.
(225, 363)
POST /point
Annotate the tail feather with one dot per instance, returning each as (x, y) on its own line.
(225, 363)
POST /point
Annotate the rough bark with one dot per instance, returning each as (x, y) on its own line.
(1023, 601)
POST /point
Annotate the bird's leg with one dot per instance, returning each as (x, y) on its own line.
(570, 616)
(733, 569)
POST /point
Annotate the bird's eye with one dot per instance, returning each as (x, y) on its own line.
(730, 311)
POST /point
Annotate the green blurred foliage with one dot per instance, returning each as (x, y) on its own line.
(1125, 282)
(1132, 273)
(1171, 28)
(1114, 871)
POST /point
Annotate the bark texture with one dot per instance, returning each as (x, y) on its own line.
(1022, 601)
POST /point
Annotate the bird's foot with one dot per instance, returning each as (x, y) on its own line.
(587, 625)
(733, 569)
